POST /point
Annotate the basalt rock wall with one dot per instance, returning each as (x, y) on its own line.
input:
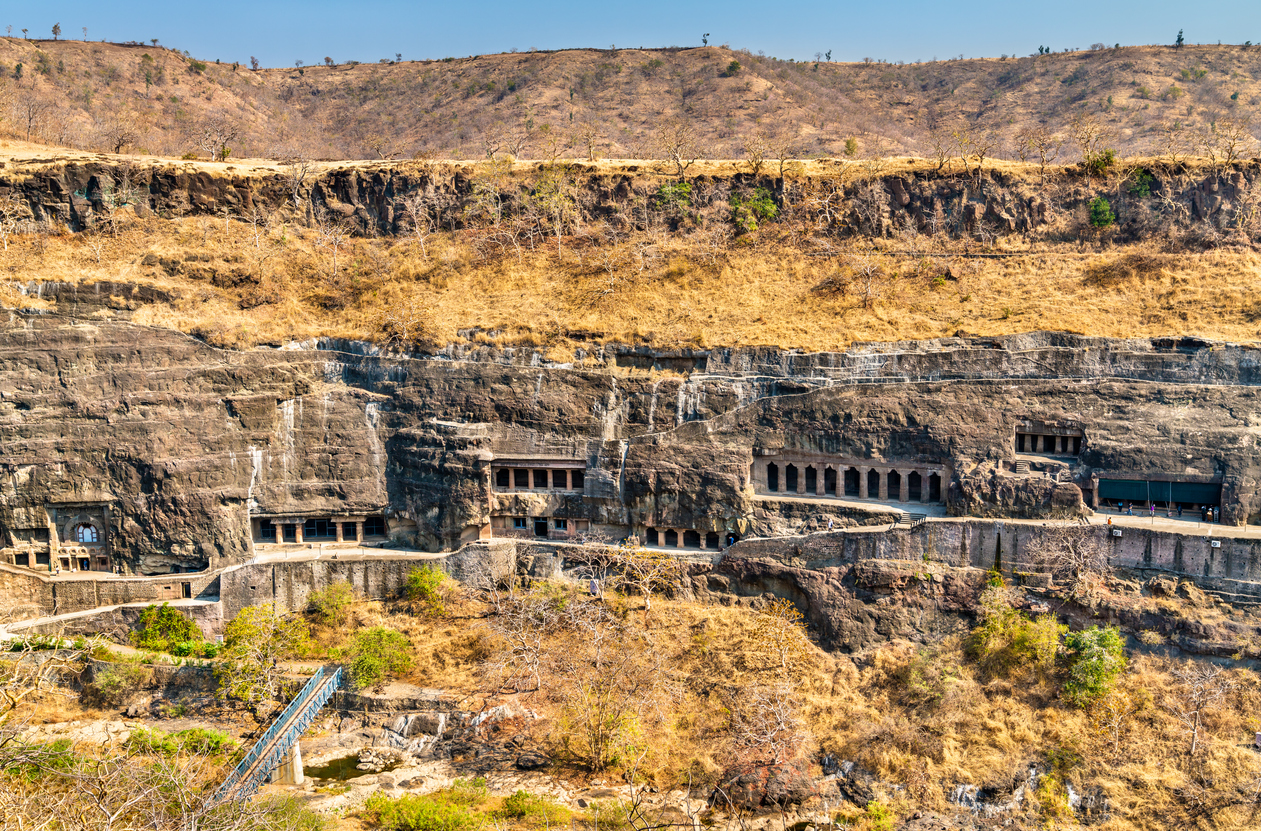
(80, 195)
(179, 444)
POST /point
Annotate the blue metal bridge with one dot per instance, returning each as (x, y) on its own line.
(274, 745)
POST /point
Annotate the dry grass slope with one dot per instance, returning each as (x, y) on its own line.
(462, 107)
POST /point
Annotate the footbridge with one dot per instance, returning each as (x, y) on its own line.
(280, 743)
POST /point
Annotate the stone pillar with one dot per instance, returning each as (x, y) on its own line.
(569, 480)
(862, 482)
(923, 486)
(820, 476)
(678, 537)
(290, 772)
(882, 492)
(801, 480)
(339, 532)
(359, 531)
(904, 486)
(297, 531)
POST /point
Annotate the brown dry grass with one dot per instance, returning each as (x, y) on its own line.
(926, 718)
(354, 111)
(763, 290)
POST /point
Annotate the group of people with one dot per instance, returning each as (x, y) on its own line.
(1208, 513)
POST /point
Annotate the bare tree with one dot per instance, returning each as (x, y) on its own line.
(37, 665)
(32, 112)
(1041, 144)
(120, 127)
(984, 142)
(295, 171)
(12, 214)
(648, 571)
(1229, 139)
(1110, 717)
(588, 135)
(1070, 552)
(1089, 134)
(678, 143)
(1201, 687)
(1175, 142)
(407, 323)
(382, 145)
(941, 144)
(418, 219)
(756, 148)
(214, 132)
(333, 235)
(524, 625)
(765, 725)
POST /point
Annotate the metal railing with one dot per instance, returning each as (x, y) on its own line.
(280, 737)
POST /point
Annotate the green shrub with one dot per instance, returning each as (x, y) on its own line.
(152, 742)
(1101, 215)
(1006, 639)
(416, 812)
(204, 740)
(733, 69)
(467, 793)
(746, 214)
(1098, 658)
(117, 682)
(525, 807)
(674, 198)
(425, 589)
(1097, 164)
(880, 817)
(197, 66)
(851, 146)
(330, 605)
(160, 627)
(1140, 183)
(376, 653)
(198, 740)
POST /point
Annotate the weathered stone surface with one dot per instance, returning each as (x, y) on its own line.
(182, 443)
(765, 787)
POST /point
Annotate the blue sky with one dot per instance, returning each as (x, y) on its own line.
(368, 30)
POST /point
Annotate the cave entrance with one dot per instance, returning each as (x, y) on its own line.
(540, 528)
(914, 486)
(873, 484)
(812, 480)
(934, 487)
(851, 481)
(772, 477)
(790, 479)
(829, 481)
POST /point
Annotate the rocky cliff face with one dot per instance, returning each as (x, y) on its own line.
(81, 195)
(179, 444)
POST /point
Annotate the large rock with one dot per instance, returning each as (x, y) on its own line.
(765, 787)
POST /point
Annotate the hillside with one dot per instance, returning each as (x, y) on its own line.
(572, 256)
(541, 104)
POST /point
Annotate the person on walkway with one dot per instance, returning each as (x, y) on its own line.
(1151, 506)
(1179, 510)
(1129, 508)
(830, 523)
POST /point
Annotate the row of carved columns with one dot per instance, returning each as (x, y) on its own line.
(520, 479)
(675, 538)
(780, 480)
